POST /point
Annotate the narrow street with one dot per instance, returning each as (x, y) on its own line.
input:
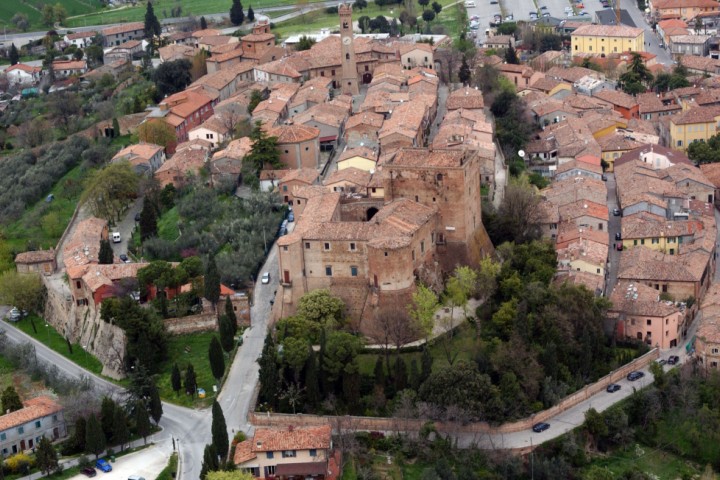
(614, 227)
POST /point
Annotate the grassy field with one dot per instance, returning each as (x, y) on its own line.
(661, 464)
(168, 225)
(32, 9)
(50, 337)
(184, 350)
(44, 223)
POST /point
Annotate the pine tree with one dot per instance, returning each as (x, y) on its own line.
(401, 376)
(351, 386)
(14, 55)
(175, 379)
(94, 437)
(78, 439)
(152, 25)
(46, 457)
(251, 14)
(148, 221)
(156, 409)
(269, 377)
(121, 432)
(464, 74)
(142, 420)
(379, 372)
(203, 23)
(426, 362)
(107, 417)
(10, 400)
(105, 256)
(236, 13)
(217, 359)
(414, 375)
(210, 461)
(312, 387)
(230, 314)
(511, 56)
(212, 282)
(190, 380)
(116, 126)
(227, 339)
(219, 431)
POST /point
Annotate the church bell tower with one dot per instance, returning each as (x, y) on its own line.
(349, 82)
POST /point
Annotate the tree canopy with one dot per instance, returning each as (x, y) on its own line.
(109, 191)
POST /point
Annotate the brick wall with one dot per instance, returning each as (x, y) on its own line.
(203, 322)
(413, 425)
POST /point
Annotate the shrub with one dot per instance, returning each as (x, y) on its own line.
(19, 463)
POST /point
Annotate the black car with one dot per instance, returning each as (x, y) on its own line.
(124, 258)
(613, 387)
(632, 376)
(540, 427)
(137, 217)
(88, 471)
(618, 236)
(673, 360)
(661, 362)
(617, 212)
(543, 7)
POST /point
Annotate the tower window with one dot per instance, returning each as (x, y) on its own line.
(347, 56)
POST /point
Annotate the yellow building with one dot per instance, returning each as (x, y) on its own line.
(656, 233)
(695, 124)
(362, 158)
(599, 39)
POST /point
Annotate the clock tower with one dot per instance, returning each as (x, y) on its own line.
(349, 82)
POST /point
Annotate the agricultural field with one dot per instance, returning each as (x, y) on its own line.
(32, 9)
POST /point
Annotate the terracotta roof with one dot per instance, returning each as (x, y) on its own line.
(97, 275)
(244, 452)
(24, 68)
(294, 133)
(351, 174)
(617, 142)
(572, 74)
(617, 97)
(647, 152)
(569, 232)
(466, 98)
(694, 62)
(77, 35)
(83, 245)
(215, 40)
(608, 31)
(123, 28)
(298, 438)
(371, 119)
(645, 264)
(36, 256)
(236, 149)
(646, 225)
(258, 37)
(696, 115)
(594, 283)
(183, 104)
(636, 298)
(423, 157)
(143, 150)
(224, 57)
(406, 119)
(668, 4)
(711, 172)
(174, 52)
(34, 409)
(304, 175)
(331, 115)
(363, 152)
(280, 67)
(583, 250)
(69, 64)
(571, 211)
(208, 32)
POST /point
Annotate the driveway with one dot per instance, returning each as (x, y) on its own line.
(148, 463)
(126, 227)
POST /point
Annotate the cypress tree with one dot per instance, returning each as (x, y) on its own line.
(212, 282)
(116, 127)
(121, 432)
(152, 25)
(105, 256)
(78, 439)
(217, 359)
(414, 375)
(351, 386)
(148, 221)
(210, 461)
(175, 379)
(219, 431)
(10, 400)
(46, 457)
(107, 416)
(230, 314)
(227, 338)
(142, 420)
(426, 362)
(401, 376)
(269, 375)
(14, 55)
(203, 23)
(312, 388)
(95, 441)
(190, 380)
(379, 372)
(236, 13)
(156, 409)
(251, 14)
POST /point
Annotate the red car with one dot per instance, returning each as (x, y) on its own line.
(619, 246)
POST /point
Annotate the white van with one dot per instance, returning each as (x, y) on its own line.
(469, 4)
(116, 237)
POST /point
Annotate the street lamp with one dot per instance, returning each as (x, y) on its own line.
(85, 347)
(47, 331)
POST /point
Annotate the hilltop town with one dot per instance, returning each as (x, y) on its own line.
(468, 244)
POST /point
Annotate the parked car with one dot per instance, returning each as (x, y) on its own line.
(617, 212)
(543, 7)
(613, 387)
(618, 236)
(475, 17)
(540, 427)
(265, 278)
(632, 376)
(291, 217)
(116, 238)
(604, 177)
(88, 472)
(661, 361)
(619, 246)
(673, 360)
(137, 217)
(103, 465)
(546, 14)
(14, 314)
(124, 258)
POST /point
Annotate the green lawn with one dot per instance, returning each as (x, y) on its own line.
(44, 223)
(168, 472)
(663, 465)
(450, 18)
(32, 9)
(184, 350)
(168, 225)
(50, 337)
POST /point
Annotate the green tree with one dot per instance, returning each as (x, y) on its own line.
(121, 432)
(230, 314)
(227, 338)
(219, 431)
(20, 20)
(250, 14)
(175, 379)
(321, 308)
(217, 359)
(10, 400)
(156, 409)
(229, 475)
(190, 380)
(60, 13)
(142, 421)
(379, 373)
(264, 150)
(295, 353)
(46, 457)
(424, 3)
(95, 441)
(311, 380)
(637, 77)
(511, 56)
(152, 25)
(437, 8)
(109, 191)
(203, 23)
(78, 438)
(256, 97)
(236, 13)
(428, 16)
(400, 376)
(305, 43)
(705, 152)
(48, 15)
(341, 350)
(106, 255)
(212, 282)
(464, 73)
(210, 461)
(23, 290)
(426, 362)
(172, 77)
(269, 375)
(595, 424)
(107, 417)
(116, 127)
(14, 55)
(159, 133)
(148, 221)
(422, 309)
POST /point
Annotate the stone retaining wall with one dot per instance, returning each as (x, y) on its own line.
(203, 322)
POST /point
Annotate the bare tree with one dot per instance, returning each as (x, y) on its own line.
(393, 326)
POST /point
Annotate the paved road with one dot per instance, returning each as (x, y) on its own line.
(126, 227)
(614, 226)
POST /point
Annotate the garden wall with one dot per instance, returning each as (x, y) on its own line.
(202, 322)
(383, 424)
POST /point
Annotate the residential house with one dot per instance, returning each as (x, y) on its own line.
(579, 168)
(187, 161)
(584, 213)
(362, 158)
(626, 105)
(598, 39)
(215, 130)
(145, 158)
(22, 429)
(82, 246)
(670, 27)
(642, 315)
(66, 68)
(210, 42)
(685, 9)
(80, 39)
(700, 65)
(118, 34)
(652, 106)
(287, 181)
(690, 180)
(278, 71)
(125, 51)
(707, 336)
(562, 192)
(21, 74)
(712, 173)
(227, 163)
(657, 233)
(299, 145)
(584, 256)
(362, 129)
(695, 124)
(655, 156)
(613, 146)
(313, 92)
(348, 180)
(500, 42)
(415, 54)
(465, 98)
(406, 127)
(519, 75)
(38, 261)
(546, 60)
(115, 69)
(174, 52)
(290, 453)
(93, 283)
(326, 117)
(183, 111)
(689, 45)
(569, 234)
